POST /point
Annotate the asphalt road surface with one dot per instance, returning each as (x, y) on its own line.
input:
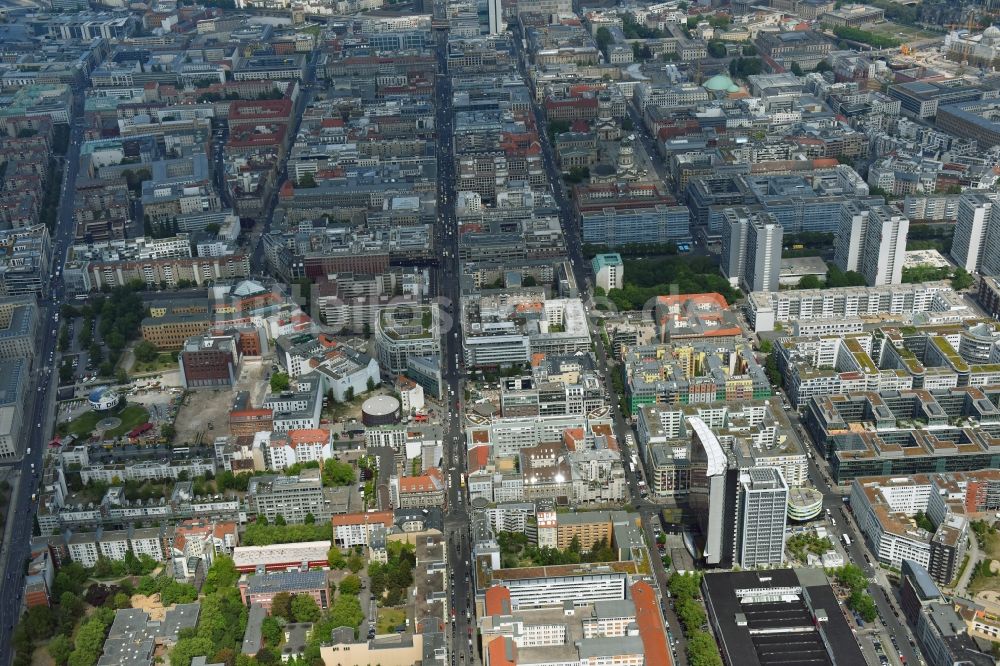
(39, 414)
(462, 634)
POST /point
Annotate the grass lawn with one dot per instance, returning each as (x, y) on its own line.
(990, 545)
(84, 424)
(980, 583)
(389, 619)
(893, 30)
(164, 361)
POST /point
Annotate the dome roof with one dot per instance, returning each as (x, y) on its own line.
(719, 82)
(992, 31)
(733, 88)
(97, 394)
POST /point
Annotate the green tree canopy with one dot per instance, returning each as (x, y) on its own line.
(271, 631)
(304, 608)
(221, 575)
(809, 282)
(39, 621)
(145, 351)
(350, 585)
(336, 558)
(603, 39)
(279, 382)
(60, 648)
(355, 563)
(281, 606)
(701, 650)
(744, 67)
(346, 612)
(336, 473)
(961, 279)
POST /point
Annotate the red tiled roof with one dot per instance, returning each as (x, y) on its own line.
(383, 517)
(502, 652)
(479, 457)
(309, 436)
(606, 431)
(498, 600)
(651, 630)
(245, 413)
(571, 436)
(430, 481)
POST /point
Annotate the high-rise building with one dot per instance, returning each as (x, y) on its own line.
(974, 215)
(763, 262)
(495, 8)
(734, 243)
(712, 494)
(609, 272)
(872, 242)
(849, 236)
(990, 264)
(751, 249)
(763, 507)
(884, 249)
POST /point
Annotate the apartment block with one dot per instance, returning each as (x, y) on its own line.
(871, 241)
(975, 214)
(293, 497)
(751, 250)
(885, 506)
(768, 308)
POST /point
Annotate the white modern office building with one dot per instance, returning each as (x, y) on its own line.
(872, 242)
(495, 9)
(763, 507)
(884, 247)
(751, 250)
(974, 214)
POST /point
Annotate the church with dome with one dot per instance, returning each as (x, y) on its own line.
(622, 168)
(979, 50)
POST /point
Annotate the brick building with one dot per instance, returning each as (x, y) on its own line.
(262, 589)
(209, 362)
(250, 421)
(170, 331)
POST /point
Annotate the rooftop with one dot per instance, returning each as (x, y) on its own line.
(769, 617)
(252, 556)
(291, 581)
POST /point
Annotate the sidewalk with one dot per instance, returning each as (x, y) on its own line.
(961, 588)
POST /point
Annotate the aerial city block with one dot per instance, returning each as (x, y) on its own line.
(499, 333)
